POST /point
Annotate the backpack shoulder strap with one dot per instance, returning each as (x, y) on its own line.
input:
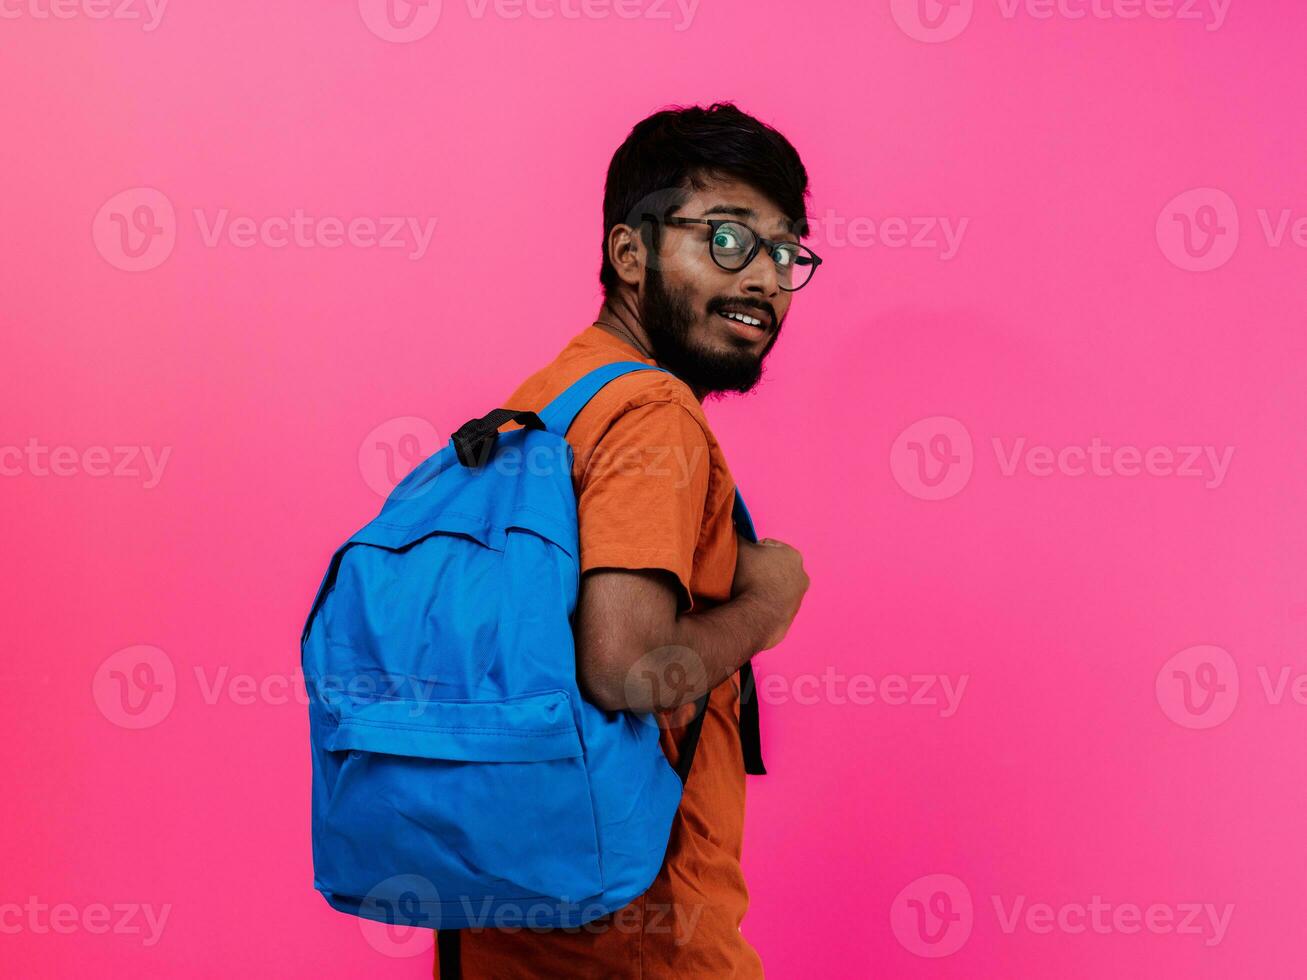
(474, 441)
(559, 413)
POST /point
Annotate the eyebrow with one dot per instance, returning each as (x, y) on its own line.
(734, 210)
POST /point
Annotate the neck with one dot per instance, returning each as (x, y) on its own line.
(620, 318)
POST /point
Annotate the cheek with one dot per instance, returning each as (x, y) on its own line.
(687, 277)
(676, 259)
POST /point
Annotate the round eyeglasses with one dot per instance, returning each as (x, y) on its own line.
(733, 245)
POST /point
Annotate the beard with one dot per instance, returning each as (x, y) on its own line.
(668, 319)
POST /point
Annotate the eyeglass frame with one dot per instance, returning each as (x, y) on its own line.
(758, 243)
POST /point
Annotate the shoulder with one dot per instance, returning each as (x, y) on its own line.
(657, 399)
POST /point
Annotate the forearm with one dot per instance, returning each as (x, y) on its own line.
(695, 653)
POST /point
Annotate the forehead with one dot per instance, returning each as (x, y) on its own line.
(736, 199)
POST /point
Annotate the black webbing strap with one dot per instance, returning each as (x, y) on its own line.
(750, 736)
(690, 745)
(449, 954)
(474, 440)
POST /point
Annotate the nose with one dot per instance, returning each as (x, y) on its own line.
(759, 277)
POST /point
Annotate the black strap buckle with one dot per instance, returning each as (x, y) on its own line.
(474, 441)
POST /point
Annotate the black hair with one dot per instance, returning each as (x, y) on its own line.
(668, 154)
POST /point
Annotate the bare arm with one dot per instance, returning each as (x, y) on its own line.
(636, 652)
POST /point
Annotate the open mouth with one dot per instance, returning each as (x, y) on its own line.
(745, 324)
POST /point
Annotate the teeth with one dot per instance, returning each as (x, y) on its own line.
(751, 321)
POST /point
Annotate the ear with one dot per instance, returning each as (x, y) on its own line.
(627, 253)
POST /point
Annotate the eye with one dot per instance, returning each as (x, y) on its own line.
(728, 237)
(785, 255)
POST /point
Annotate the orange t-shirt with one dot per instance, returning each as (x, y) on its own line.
(653, 491)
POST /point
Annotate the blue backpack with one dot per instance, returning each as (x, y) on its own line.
(459, 776)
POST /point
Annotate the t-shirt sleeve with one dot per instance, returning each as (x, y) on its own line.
(643, 493)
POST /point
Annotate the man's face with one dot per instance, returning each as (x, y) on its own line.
(686, 298)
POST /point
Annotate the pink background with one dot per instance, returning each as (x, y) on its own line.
(1072, 767)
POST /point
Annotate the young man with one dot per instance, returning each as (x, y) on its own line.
(700, 261)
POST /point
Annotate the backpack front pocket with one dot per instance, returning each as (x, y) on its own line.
(488, 799)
